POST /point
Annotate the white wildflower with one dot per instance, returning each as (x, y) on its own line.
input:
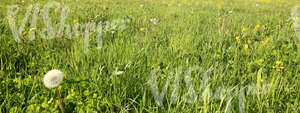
(142, 5)
(117, 72)
(53, 78)
(154, 21)
(257, 5)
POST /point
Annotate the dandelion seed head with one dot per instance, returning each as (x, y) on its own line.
(53, 78)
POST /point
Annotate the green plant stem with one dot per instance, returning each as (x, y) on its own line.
(60, 101)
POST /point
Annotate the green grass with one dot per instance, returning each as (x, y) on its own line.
(189, 33)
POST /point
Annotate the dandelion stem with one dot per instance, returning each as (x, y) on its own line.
(60, 101)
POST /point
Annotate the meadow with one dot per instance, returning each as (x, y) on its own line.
(213, 56)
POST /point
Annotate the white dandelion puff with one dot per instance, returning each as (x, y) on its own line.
(53, 78)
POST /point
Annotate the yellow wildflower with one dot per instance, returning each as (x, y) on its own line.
(296, 18)
(267, 39)
(246, 47)
(256, 27)
(95, 95)
(25, 33)
(75, 21)
(278, 66)
(261, 60)
(249, 41)
(31, 29)
(244, 30)
(220, 19)
(142, 29)
(279, 63)
(238, 39)
(105, 8)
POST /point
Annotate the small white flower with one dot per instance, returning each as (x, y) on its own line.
(229, 12)
(256, 5)
(142, 5)
(53, 78)
(117, 72)
(154, 21)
